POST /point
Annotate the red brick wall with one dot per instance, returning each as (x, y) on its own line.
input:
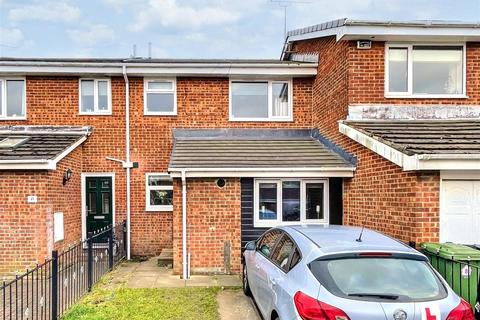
(201, 103)
(380, 196)
(26, 236)
(213, 218)
(22, 225)
(67, 199)
(366, 75)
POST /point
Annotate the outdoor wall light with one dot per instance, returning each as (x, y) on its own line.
(67, 176)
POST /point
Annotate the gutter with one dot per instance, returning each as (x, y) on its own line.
(293, 69)
(448, 156)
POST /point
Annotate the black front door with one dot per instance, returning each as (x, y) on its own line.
(99, 204)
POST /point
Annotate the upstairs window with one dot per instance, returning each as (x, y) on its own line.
(160, 97)
(425, 71)
(12, 99)
(260, 101)
(95, 96)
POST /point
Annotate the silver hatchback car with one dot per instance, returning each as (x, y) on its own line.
(344, 273)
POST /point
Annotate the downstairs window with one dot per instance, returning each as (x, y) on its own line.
(159, 192)
(290, 201)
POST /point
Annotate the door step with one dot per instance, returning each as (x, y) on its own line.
(165, 259)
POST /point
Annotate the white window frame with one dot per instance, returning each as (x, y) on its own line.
(270, 117)
(148, 206)
(257, 223)
(146, 90)
(95, 111)
(3, 97)
(409, 93)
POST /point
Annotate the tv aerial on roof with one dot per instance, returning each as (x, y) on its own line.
(285, 4)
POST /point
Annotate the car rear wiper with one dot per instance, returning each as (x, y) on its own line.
(375, 295)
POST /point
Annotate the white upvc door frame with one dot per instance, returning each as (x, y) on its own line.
(85, 175)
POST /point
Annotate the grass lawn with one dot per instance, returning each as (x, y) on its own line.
(124, 303)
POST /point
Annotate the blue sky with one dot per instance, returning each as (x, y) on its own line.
(188, 28)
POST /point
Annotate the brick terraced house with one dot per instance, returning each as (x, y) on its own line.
(359, 122)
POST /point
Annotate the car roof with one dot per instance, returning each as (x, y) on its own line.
(332, 239)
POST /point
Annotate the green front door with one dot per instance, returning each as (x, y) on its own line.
(99, 204)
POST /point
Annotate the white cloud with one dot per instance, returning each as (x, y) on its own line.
(50, 11)
(91, 36)
(169, 13)
(120, 5)
(11, 37)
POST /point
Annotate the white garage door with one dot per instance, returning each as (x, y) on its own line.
(460, 211)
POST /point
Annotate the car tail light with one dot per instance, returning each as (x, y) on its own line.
(311, 309)
(462, 312)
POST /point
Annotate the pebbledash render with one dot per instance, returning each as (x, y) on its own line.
(369, 123)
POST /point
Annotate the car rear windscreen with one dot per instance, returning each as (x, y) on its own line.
(379, 279)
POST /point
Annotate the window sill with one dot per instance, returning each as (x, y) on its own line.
(273, 224)
(160, 114)
(260, 119)
(13, 118)
(95, 113)
(427, 96)
(159, 209)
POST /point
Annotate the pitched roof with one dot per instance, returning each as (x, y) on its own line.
(42, 146)
(253, 149)
(413, 137)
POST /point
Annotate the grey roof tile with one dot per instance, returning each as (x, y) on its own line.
(43, 142)
(250, 148)
(424, 137)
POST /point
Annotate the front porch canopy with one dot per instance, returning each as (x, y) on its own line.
(254, 153)
(38, 147)
(420, 144)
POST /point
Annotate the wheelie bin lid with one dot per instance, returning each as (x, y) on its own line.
(452, 251)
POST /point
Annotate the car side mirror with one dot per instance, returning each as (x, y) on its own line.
(251, 245)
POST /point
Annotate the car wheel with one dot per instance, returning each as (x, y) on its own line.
(245, 285)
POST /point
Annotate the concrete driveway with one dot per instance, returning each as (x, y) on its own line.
(234, 305)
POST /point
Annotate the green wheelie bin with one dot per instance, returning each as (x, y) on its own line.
(458, 264)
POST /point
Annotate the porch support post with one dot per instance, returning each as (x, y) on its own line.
(184, 226)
